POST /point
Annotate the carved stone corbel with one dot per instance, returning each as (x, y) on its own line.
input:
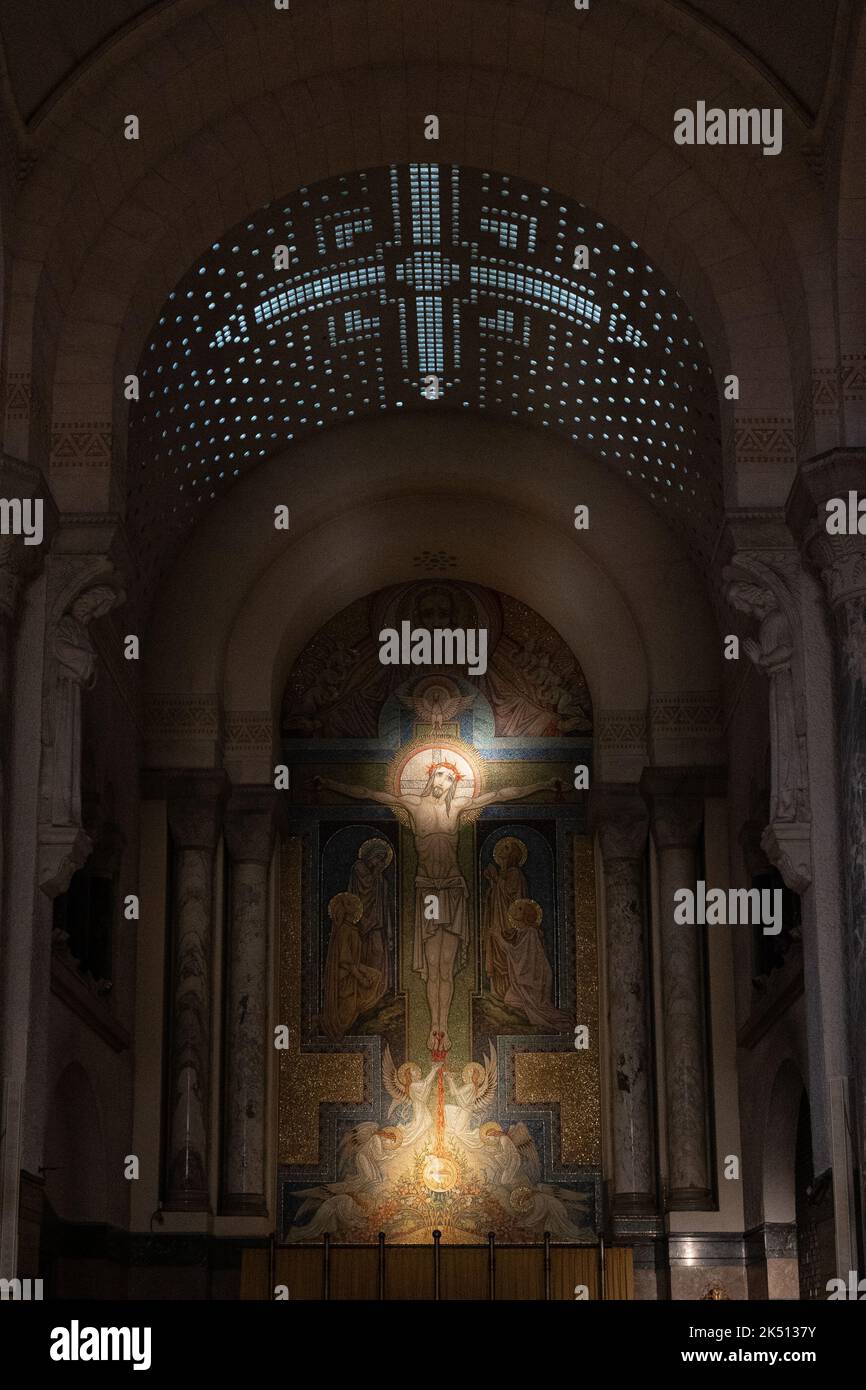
(62, 850)
(788, 846)
(759, 585)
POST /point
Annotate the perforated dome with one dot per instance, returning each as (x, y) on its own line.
(420, 287)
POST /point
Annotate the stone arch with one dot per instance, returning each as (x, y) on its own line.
(617, 590)
(751, 295)
(75, 1161)
(780, 1144)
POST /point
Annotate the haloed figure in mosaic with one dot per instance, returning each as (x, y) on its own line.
(367, 882)
(504, 882)
(351, 986)
(441, 927)
(529, 978)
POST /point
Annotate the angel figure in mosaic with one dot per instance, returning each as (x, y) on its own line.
(409, 1090)
(514, 1165)
(334, 1209)
(510, 1156)
(474, 1096)
(369, 1149)
(549, 1207)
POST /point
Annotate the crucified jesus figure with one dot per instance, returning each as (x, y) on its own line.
(441, 892)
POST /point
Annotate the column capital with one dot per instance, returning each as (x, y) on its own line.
(195, 808)
(840, 560)
(757, 548)
(675, 797)
(18, 564)
(250, 824)
(88, 553)
(618, 815)
(762, 593)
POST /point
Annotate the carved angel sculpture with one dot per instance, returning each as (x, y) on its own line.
(773, 654)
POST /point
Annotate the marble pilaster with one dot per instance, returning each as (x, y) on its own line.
(20, 564)
(250, 825)
(619, 817)
(11, 580)
(194, 816)
(675, 799)
(840, 560)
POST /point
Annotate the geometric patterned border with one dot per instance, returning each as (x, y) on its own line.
(248, 731)
(693, 714)
(622, 730)
(170, 717)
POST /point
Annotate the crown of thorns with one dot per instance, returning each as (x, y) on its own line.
(458, 776)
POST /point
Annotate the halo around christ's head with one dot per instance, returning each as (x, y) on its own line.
(413, 765)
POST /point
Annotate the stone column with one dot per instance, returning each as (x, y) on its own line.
(795, 650)
(194, 816)
(841, 562)
(676, 805)
(618, 815)
(19, 563)
(250, 823)
(10, 588)
(16, 567)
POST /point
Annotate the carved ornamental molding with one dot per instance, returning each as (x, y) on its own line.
(762, 582)
(840, 560)
(619, 816)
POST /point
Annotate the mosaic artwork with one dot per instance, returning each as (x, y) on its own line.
(438, 935)
(533, 686)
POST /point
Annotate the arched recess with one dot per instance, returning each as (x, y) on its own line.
(366, 501)
(742, 238)
(780, 1145)
(75, 1181)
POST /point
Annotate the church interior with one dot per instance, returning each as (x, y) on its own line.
(433, 649)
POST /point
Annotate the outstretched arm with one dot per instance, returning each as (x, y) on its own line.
(513, 793)
(359, 793)
(427, 1083)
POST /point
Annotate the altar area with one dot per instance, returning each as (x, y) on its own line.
(433, 1272)
(437, 943)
